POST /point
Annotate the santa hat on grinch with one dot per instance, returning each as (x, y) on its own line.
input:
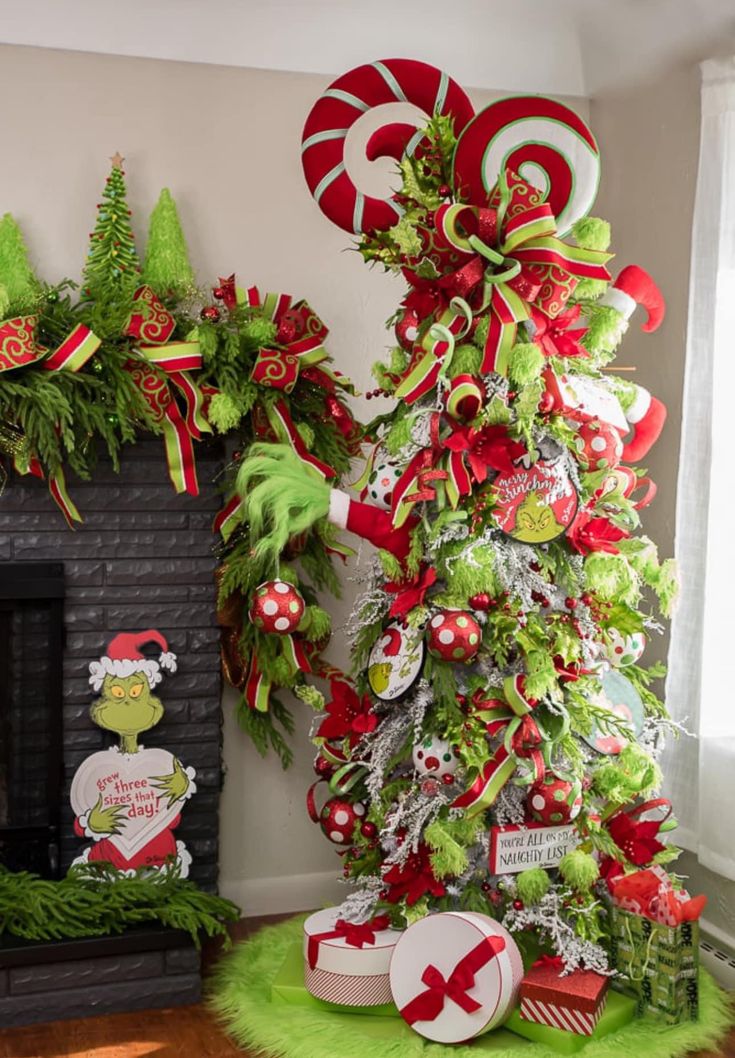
(124, 657)
(646, 415)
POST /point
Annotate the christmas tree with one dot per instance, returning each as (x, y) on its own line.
(497, 749)
(112, 270)
(21, 290)
(166, 268)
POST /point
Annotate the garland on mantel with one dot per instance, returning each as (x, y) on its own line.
(140, 349)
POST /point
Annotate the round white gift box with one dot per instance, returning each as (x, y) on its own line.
(344, 973)
(442, 941)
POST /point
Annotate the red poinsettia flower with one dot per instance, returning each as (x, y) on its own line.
(590, 533)
(413, 880)
(489, 448)
(555, 336)
(636, 838)
(348, 715)
(411, 592)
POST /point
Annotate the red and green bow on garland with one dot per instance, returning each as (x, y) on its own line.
(156, 362)
(298, 352)
(514, 269)
(19, 347)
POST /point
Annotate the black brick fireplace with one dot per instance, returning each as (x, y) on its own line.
(142, 558)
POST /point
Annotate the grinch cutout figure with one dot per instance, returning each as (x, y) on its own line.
(128, 799)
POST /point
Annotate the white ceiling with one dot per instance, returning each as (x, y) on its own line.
(575, 47)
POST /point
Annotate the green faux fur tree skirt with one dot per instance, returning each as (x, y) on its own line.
(240, 995)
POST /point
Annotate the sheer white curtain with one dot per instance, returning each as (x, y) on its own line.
(701, 681)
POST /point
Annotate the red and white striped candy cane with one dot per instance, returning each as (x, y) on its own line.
(346, 100)
(545, 142)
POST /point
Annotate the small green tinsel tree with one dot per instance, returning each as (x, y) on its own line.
(112, 270)
(166, 268)
(21, 288)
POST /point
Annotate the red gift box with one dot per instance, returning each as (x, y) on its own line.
(574, 1003)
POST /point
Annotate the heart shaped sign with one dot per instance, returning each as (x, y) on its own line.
(127, 779)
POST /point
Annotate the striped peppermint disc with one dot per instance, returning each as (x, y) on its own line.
(545, 142)
(344, 102)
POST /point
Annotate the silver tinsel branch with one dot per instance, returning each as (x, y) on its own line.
(413, 813)
(359, 906)
(547, 917)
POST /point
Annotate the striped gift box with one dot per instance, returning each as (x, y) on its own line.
(573, 1003)
(560, 1017)
(341, 971)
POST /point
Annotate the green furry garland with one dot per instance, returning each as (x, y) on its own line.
(94, 900)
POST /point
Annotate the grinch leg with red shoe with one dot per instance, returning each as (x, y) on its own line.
(128, 798)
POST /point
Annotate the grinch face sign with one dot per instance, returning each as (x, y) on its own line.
(435, 756)
(127, 705)
(534, 504)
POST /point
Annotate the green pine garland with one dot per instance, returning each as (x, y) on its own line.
(95, 900)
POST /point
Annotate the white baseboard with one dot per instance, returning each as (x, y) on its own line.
(275, 896)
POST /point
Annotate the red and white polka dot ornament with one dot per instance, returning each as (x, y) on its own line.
(623, 650)
(338, 818)
(339, 108)
(435, 757)
(383, 479)
(277, 607)
(554, 801)
(544, 142)
(598, 445)
(453, 635)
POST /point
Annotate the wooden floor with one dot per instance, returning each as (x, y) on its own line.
(182, 1032)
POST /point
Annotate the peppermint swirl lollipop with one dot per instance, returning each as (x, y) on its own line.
(545, 142)
(346, 100)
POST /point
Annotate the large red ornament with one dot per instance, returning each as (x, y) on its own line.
(338, 818)
(277, 607)
(554, 801)
(598, 445)
(453, 635)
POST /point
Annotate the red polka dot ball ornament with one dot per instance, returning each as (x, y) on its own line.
(435, 757)
(277, 607)
(379, 489)
(453, 635)
(338, 818)
(623, 650)
(598, 445)
(554, 801)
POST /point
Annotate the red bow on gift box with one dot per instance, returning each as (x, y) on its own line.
(356, 935)
(428, 1005)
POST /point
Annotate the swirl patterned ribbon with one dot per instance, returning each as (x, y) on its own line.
(151, 325)
(514, 263)
(299, 340)
(19, 347)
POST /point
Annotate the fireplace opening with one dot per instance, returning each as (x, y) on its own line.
(31, 724)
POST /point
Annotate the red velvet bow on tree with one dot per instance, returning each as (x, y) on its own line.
(414, 879)
(357, 936)
(348, 715)
(591, 533)
(428, 1005)
(410, 592)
